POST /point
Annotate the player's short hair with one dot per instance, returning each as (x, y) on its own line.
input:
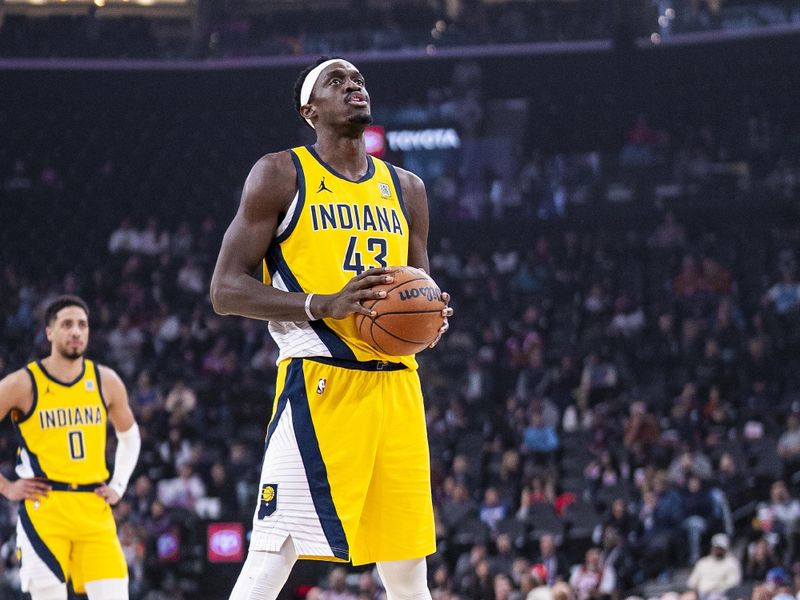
(63, 302)
(298, 85)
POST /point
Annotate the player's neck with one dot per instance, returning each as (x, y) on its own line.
(347, 155)
(63, 369)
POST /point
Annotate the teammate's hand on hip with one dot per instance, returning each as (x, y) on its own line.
(355, 291)
(108, 494)
(447, 312)
(27, 489)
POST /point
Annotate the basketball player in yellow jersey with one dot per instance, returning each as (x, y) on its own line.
(346, 467)
(60, 407)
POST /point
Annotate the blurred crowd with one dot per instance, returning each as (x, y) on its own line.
(615, 410)
(223, 31)
(604, 403)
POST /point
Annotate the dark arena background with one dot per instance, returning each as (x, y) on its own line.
(614, 189)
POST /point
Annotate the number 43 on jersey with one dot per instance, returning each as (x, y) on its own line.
(376, 249)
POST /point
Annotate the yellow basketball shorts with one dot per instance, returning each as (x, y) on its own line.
(346, 471)
(68, 536)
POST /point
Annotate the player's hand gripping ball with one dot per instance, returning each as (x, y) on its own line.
(408, 318)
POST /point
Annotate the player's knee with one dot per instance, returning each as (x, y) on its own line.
(48, 591)
(264, 573)
(107, 589)
(405, 579)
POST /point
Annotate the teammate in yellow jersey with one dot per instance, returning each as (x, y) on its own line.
(60, 407)
(346, 473)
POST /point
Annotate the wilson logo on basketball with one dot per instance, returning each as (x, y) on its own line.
(429, 292)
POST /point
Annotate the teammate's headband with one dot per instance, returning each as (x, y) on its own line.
(311, 79)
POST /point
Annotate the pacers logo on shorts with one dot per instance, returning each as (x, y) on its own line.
(269, 500)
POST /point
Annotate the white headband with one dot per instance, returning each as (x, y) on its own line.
(311, 79)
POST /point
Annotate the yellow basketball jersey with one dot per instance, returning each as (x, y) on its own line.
(63, 436)
(335, 229)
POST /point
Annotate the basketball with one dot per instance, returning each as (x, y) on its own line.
(408, 319)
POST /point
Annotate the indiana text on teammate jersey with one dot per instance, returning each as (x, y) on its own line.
(60, 406)
(329, 220)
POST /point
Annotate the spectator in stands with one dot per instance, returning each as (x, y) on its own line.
(554, 562)
(592, 579)
(698, 511)
(133, 548)
(599, 379)
(337, 586)
(503, 559)
(641, 428)
(466, 565)
(691, 461)
(493, 509)
(121, 239)
(181, 400)
(717, 279)
(479, 585)
(459, 508)
(618, 519)
(716, 573)
(540, 490)
(368, 587)
(669, 233)
(784, 296)
(760, 560)
(689, 281)
(143, 496)
(732, 481)
(508, 479)
(182, 491)
(503, 590)
(153, 241)
(628, 319)
(778, 518)
(145, 395)
(125, 342)
(538, 438)
(191, 279)
(540, 590)
(789, 445)
(441, 584)
(220, 487)
(660, 515)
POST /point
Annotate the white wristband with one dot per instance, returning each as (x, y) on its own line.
(128, 445)
(308, 307)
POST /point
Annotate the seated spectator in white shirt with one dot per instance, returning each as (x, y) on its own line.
(718, 572)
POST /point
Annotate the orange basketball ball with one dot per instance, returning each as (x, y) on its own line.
(408, 319)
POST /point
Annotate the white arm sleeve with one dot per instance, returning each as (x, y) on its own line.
(128, 445)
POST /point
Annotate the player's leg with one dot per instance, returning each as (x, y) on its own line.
(397, 518)
(98, 565)
(44, 557)
(264, 573)
(405, 579)
(313, 484)
(40, 590)
(107, 589)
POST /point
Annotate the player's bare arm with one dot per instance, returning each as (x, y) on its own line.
(267, 193)
(116, 397)
(16, 393)
(121, 417)
(416, 201)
